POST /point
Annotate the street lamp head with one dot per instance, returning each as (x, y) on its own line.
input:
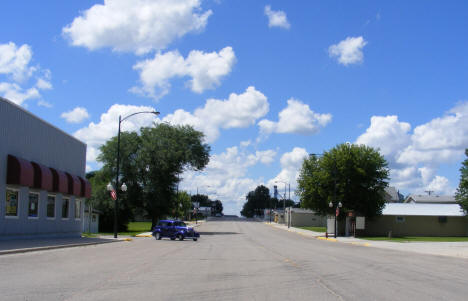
(123, 187)
(340, 205)
(330, 204)
(109, 187)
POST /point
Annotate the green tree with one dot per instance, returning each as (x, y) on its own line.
(462, 191)
(217, 207)
(202, 199)
(257, 201)
(184, 204)
(354, 175)
(151, 164)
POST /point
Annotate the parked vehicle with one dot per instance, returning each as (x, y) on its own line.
(174, 229)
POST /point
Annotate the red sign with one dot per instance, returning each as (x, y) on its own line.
(337, 211)
(113, 195)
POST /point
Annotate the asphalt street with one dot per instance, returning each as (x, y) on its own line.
(233, 260)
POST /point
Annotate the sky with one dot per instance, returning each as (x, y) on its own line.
(267, 82)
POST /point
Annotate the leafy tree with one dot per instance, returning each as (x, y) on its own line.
(202, 199)
(184, 204)
(354, 175)
(257, 200)
(151, 164)
(217, 207)
(462, 191)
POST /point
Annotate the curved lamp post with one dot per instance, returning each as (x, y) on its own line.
(116, 202)
(337, 212)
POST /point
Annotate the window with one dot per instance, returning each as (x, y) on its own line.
(77, 209)
(51, 206)
(400, 219)
(65, 207)
(11, 203)
(33, 205)
(442, 219)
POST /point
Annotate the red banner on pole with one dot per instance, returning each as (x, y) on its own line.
(337, 211)
(113, 195)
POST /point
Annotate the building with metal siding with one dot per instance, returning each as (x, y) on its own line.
(40, 168)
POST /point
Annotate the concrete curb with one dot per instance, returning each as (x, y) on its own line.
(34, 249)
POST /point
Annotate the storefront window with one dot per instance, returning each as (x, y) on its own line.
(77, 209)
(51, 206)
(11, 203)
(33, 206)
(65, 205)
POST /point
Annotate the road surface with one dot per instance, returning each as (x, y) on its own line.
(233, 260)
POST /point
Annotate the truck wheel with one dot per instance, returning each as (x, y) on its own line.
(157, 236)
(194, 239)
(180, 237)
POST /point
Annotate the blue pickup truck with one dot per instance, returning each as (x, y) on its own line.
(174, 229)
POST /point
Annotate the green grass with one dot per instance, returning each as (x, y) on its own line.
(87, 234)
(133, 229)
(315, 229)
(417, 238)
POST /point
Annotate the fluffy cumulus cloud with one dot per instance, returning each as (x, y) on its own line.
(226, 176)
(415, 157)
(138, 26)
(238, 111)
(96, 134)
(276, 18)
(387, 134)
(296, 118)
(291, 163)
(348, 51)
(205, 71)
(17, 72)
(77, 115)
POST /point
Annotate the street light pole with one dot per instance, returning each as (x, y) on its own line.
(116, 201)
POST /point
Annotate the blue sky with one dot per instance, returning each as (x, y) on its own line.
(267, 81)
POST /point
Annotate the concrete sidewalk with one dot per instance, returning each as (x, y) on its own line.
(452, 249)
(13, 246)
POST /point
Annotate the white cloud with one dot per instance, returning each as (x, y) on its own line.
(387, 134)
(348, 51)
(204, 69)
(226, 176)
(96, 134)
(77, 115)
(16, 94)
(15, 66)
(276, 18)
(238, 111)
(45, 104)
(14, 61)
(296, 118)
(291, 163)
(415, 157)
(43, 84)
(138, 26)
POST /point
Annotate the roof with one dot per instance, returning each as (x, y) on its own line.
(440, 199)
(393, 193)
(415, 209)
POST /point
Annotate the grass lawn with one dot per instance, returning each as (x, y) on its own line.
(417, 238)
(133, 229)
(316, 229)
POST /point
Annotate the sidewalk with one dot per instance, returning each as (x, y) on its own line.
(13, 246)
(453, 249)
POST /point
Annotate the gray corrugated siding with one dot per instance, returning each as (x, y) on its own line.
(27, 136)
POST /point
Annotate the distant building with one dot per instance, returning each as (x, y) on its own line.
(42, 177)
(430, 199)
(391, 195)
(300, 217)
(419, 219)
